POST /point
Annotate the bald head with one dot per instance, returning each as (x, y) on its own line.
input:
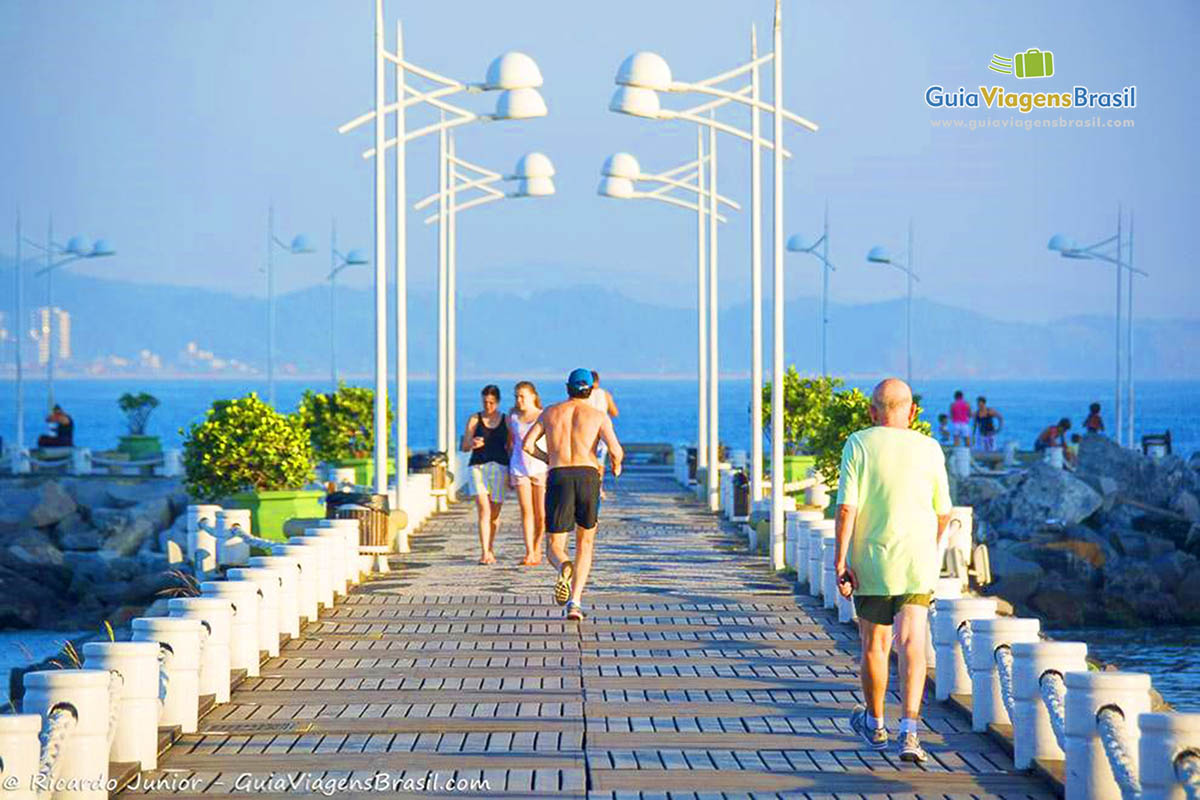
(891, 403)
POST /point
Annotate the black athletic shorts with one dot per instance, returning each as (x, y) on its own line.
(572, 498)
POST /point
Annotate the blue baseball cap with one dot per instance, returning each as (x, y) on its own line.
(580, 378)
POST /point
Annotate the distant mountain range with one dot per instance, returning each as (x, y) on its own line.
(548, 331)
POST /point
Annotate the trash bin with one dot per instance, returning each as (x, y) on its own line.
(371, 510)
(741, 494)
(433, 463)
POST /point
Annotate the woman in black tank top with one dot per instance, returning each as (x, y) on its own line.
(486, 439)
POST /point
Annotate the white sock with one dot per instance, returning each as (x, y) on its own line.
(873, 724)
(908, 725)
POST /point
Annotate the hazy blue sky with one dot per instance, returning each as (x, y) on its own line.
(167, 126)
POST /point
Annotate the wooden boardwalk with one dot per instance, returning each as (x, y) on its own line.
(697, 675)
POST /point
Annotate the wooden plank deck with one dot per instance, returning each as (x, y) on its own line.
(698, 674)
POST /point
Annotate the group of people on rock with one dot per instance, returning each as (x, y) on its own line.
(553, 459)
(964, 425)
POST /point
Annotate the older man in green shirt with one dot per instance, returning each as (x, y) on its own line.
(893, 506)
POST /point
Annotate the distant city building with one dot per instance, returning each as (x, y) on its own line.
(62, 332)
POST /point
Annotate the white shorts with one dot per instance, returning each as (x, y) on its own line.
(489, 479)
(961, 429)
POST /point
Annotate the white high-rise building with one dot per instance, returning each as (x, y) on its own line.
(62, 332)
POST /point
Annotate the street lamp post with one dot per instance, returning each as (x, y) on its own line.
(1112, 251)
(640, 78)
(879, 255)
(798, 244)
(76, 249)
(534, 173)
(299, 245)
(338, 262)
(19, 333)
(517, 78)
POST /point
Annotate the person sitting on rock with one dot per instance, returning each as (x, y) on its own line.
(1093, 423)
(943, 429)
(1071, 451)
(1053, 435)
(64, 430)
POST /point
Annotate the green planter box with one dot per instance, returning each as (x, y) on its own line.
(139, 448)
(269, 510)
(364, 469)
(795, 468)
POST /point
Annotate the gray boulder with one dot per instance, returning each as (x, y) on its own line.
(1154, 481)
(36, 506)
(1047, 494)
(1016, 578)
(977, 490)
(74, 533)
(123, 530)
(1185, 503)
(34, 547)
(87, 492)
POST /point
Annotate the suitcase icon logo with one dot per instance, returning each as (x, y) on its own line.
(1033, 63)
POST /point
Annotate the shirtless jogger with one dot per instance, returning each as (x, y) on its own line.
(572, 429)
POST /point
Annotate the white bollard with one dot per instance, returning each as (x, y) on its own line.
(136, 736)
(244, 597)
(201, 543)
(947, 589)
(215, 661)
(81, 461)
(323, 563)
(796, 524)
(233, 521)
(817, 495)
(987, 701)
(829, 588)
(269, 582)
(83, 758)
(1088, 774)
(181, 638)
(953, 676)
(1053, 456)
(828, 546)
(307, 590)
(172, 466)
(1164, 738)
(815, 564)
(960, 462)
(20, 752)
(21, 463)
(349, 528)
(1033, 734)
(336, 554)
(288, 570)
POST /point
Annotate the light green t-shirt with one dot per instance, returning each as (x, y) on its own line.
(896, 478)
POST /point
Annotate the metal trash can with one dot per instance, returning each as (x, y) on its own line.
(370, 509)
(741, 494)
(434, 463)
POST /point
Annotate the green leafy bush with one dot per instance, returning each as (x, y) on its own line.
(847, 412)
(341, 424)
(137, 408)
(805, 401)
(245, 445)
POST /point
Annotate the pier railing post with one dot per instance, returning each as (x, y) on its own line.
(1167, 742)
(136, 720)
(243, 597)
(988, 636)
(181, 638)
(217, 614)
(953, 676)
(1033, 732)
(1088, 774)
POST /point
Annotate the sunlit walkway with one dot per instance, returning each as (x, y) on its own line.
(697, 675)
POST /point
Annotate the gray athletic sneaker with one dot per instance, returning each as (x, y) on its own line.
(911, 750)
(876, 739)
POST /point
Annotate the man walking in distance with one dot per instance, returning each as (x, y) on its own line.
(601, 400)
(572, 429)
(893, 506)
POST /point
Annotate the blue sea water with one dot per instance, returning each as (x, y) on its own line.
(665, 411)
(651, 410)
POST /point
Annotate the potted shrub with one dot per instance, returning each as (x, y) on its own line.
(805, 401)
(136, 444)
(245, 454)
(341, 428)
